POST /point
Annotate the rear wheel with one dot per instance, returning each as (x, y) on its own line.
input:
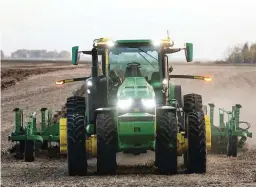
(106, 143)
(166, 143)
(76, 133)
(232, 146)
(196, 133)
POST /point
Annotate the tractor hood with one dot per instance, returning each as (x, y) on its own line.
(135, 88)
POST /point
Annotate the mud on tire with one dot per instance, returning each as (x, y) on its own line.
(166, 155)
(196, 134)
(76, 134)
(106, 144)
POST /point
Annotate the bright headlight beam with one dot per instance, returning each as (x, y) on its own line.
(124, 103)
(89, 83)
(149, 103)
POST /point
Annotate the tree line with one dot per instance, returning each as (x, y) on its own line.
(25, 53)
(239, 54)
(242, 54)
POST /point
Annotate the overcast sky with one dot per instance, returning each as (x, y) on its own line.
(212, 25)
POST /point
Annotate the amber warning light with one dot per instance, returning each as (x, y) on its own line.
(59, 82)
(208, 79)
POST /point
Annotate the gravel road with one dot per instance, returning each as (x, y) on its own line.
(231, 85)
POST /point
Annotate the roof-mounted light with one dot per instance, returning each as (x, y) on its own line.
(156, 42)
(165, 42)
(110, 43)
(103, 42)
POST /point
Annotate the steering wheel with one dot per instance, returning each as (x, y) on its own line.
(134, 64)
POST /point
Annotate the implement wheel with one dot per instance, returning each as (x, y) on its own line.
(196, 133)
(29, 152)
(166, 143)
(106, 144)
(232, 146)
(76, 133)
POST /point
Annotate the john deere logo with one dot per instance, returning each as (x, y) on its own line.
(136, 110)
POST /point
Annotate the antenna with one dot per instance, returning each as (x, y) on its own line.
(168, 34)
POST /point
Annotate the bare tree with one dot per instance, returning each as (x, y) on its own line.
(253, 52)
(246, 53)
(2, 54)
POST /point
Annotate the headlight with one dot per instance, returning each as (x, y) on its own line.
(149, 103)
(110, 43)
(165, 81)
(89, 83)
(124, 103)
(157, 42)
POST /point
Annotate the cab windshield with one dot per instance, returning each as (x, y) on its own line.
(144, 59)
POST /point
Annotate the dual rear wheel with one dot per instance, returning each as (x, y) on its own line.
(196, 156)
(166, 139)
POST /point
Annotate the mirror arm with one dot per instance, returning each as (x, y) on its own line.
(85, 52)
(174, 50)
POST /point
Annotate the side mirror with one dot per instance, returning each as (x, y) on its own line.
(74, 55)
(189, 52)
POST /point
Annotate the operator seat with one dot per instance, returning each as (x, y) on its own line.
(132, 72)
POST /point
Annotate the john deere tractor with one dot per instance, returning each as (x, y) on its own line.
(133, 107)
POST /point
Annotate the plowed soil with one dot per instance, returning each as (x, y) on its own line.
(231, 85)
(10, 77)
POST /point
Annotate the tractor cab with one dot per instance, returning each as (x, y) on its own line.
(122, 59)
(134, 60)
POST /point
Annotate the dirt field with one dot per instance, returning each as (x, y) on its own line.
(231, 85)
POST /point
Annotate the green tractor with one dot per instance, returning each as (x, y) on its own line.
(132, 107)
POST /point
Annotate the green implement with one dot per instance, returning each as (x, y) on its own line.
(229, 135)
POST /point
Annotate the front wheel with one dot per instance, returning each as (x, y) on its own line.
(106, 144)
(166, 143)
(76, 136)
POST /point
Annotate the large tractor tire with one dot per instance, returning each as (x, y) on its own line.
(232, 146)
(196, 134)
(166, 143)
(76, 135)
(106, 144)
